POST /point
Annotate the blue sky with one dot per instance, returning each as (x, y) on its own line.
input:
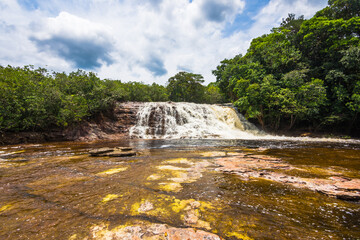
(137, 40)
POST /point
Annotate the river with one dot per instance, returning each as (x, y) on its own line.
(59, 191)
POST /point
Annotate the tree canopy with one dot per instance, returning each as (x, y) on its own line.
(304, 71)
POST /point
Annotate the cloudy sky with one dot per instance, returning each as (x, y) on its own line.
(137, 40)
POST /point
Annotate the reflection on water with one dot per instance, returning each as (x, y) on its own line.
(56, 191)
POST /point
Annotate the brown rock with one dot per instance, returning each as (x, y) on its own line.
(118, 153)
(152, 231)
(124, 149)
(258, 166)
(352, 185)
(100, 151)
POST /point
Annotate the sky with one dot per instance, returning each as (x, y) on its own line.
(137, 40)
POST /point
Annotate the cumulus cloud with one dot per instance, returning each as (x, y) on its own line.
(86, 44)
(137, 40)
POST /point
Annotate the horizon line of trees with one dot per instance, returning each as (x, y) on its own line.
(35, 99)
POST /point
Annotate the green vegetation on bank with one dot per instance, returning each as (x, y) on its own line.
(305, 72)
(34, 99)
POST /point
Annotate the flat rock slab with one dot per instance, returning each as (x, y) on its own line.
(118, 153)
(112, 152)
(248, 167)
(124, 149)
(99, 151)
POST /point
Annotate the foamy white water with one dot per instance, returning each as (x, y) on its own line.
(170, 120)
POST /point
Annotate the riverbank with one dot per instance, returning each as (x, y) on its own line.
(174, 120)
(112, 125)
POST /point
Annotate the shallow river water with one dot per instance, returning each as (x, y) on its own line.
(58, 191)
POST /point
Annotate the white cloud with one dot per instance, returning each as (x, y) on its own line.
(84, 43)
(133, 40)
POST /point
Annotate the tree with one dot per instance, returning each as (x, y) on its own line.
(186, 87)
(337, 9)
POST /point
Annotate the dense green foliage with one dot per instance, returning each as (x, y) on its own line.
(305, 71)
(187, 87)
(34, 99)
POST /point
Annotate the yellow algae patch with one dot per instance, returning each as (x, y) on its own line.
(154, 177)
(172, 168)
(135, 208)
(205, 205)
(182, 177)
(112, 171)
(239, 236)
(170, 187)
(213, 154)
(232, 153)
(179, 160)
(180, 205)
(6, 207)
(2, 165)
(73, 237)
(202, 224)
(109, 197)
(20, 151)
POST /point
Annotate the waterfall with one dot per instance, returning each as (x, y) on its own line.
(169, 120)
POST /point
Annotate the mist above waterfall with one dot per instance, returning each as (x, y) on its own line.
(171, 120)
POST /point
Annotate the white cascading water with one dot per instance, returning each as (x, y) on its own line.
(169, 120)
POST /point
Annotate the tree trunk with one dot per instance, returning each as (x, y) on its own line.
(292, 121)
(261, 121)
(350, 127)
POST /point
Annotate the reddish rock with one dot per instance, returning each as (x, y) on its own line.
(153, 231)
(259, 166)
(353, 185)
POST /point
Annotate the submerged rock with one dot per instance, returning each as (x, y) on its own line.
(109, 197)
(111, 171)
(264, 167)
(151, 232)
(146, 206)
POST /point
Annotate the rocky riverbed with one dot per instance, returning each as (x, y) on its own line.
(183, 189)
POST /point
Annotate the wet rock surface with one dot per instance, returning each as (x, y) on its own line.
(251, 167)
(150, 232)
(112, 152)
